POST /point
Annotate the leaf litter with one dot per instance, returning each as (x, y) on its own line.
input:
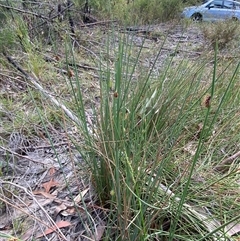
(45, 196)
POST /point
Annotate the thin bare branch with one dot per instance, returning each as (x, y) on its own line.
(24, 11)
(39, 205)
(34, 81)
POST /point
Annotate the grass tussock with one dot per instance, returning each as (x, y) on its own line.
(157, 144)
(141, 11)
(152, 139)
(222, 33)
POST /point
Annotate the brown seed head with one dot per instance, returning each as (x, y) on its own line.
(207, 101)
(70, 73)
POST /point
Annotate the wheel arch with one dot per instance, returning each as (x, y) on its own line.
(197, 16)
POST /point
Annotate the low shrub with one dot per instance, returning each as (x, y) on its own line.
(139, 11)
(220, 33)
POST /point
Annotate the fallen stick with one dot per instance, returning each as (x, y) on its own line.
(34, 81)
(24, 11)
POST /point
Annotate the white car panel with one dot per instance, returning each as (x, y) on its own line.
(214, 10)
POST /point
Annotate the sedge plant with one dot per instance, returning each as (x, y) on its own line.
(156, 138)
(152, 149)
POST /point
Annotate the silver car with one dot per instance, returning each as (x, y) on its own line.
(214, 10)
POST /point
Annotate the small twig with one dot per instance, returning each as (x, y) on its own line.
(98, 23)
(24, 11)
(53, 17)
(228, 56)
(62, 11)
(52, 146)
(39, 205)
(10, 60)
(19, 155)
(87, 67)
(223, 165)
(182, 50)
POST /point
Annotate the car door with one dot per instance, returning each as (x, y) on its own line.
(214, 11)
(237, 10)
(231, 9)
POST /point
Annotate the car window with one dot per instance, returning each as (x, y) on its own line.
(216, 4)
(237, 6)
(229, 4)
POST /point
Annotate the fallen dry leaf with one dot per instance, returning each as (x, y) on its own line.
(79, 197)
(68, 212)
(51, 171)
(72, 210)
(45, 194)
(48, 185)
(99, 232)
(60, 208)
(233, 229)
(60, 224)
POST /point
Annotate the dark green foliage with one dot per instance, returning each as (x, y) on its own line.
(137, 11)
(220, 33)
(170, 9)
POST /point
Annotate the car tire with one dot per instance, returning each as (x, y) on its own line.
(196, 17)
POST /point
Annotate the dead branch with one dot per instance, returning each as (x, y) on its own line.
(98, 23)
(29, 193)
(24, 11)
(53, 17)
(82, 66)
(62, 10)
(14, 153)
(34, 81)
